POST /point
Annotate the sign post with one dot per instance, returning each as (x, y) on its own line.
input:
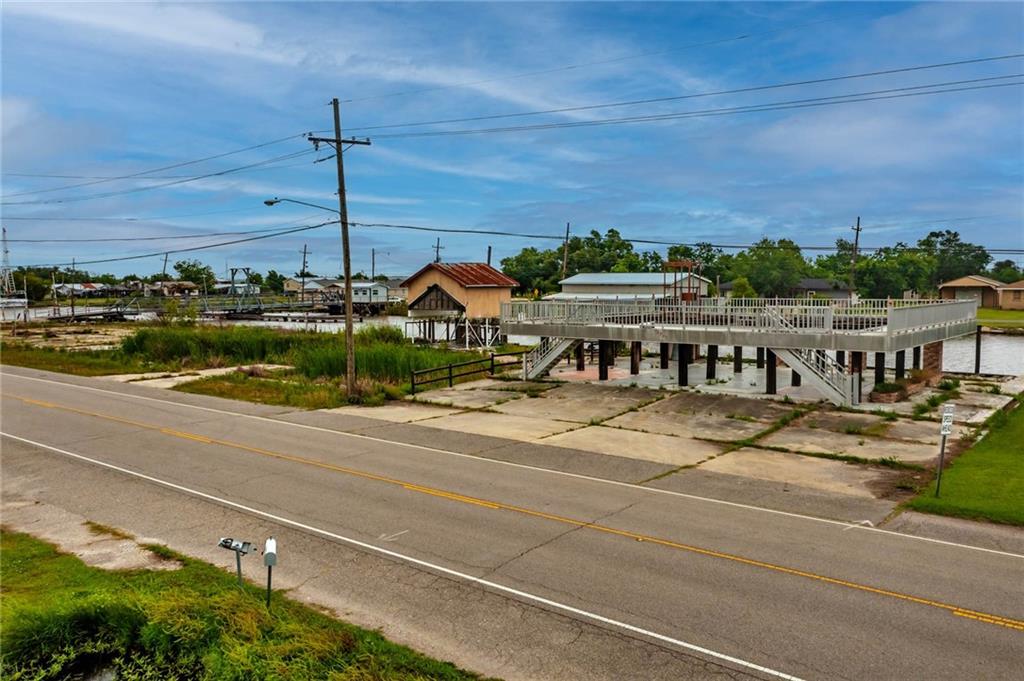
(947, 428)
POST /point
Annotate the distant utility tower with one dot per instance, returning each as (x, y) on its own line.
(7, 288)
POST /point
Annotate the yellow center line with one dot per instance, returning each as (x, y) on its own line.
(988, 618)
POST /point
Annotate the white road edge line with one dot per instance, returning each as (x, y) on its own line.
(550, 471)
(421, 563)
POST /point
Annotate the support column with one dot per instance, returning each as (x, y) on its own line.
(901, 364)
(581, 362)
(603, 351)
(771, 364)
(634, 358)
(685, 355)
(712, 370)
(917, 357)
(977, 350)
(737, 359)
(932, 360)
(760, 358)
(794, 377)
(879, 367)
(841, 358)
(857, 369)
(663, 350)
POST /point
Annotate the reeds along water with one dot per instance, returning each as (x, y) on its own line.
(382, 352)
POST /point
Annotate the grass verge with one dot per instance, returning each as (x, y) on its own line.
(987, 481)
(1001, 319)
(76, 362)
(63, 619)
(283, 391)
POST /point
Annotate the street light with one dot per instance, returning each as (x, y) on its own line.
(349, 335)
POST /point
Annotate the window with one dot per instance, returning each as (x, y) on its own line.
(1016, 296)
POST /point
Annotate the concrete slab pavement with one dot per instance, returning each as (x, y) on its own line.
(396, 412)
(667, 449)
(827, 475)
(718, 428)
(799, 439)
(502, 425)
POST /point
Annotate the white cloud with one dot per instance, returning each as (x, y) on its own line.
(187, 26)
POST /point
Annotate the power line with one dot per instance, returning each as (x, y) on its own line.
(191, 249)
(147, 177)
(655, 242)
(756, 108)
(97, 240)
(657, 100)
(135, 190)
(141, 173)
(571, 67)
(62, 218)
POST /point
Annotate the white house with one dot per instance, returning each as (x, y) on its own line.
(624, 286)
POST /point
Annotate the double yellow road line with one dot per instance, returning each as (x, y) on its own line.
(987, 618)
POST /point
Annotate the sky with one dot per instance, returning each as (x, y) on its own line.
(102, 90)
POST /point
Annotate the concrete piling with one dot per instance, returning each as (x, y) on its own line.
(712, 369)
(737, 359)
(771, 367)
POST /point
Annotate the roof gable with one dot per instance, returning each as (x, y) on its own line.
(972, 280)
(468, 274)
(1015, 285)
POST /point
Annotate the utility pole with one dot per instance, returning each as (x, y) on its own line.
(565, 251)
(373, 263)
(338, 143)
(853, 259)
(72, 288)
(437, 250)
(302, 276)
(488, 256)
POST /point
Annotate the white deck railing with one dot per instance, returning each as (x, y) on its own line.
(779, 315)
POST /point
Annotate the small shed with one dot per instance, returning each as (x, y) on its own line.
(470, 289)
(972, 287)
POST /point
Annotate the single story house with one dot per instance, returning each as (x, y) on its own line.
(610, 286)
(396, 291)
(86, 290)
(471, 289)
(368, 292)
(171, 288)
(973, 287)
(1011, 296)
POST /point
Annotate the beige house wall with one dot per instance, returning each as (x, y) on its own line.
(479, 301)
(1011, 299)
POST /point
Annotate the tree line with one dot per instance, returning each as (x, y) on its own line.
(770, 268)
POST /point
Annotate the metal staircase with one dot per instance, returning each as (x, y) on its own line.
(823, 372)
(545, 355)
(817, 366)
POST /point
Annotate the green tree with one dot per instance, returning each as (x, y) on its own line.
(1006, 271)
(741, 288)
(773, 268)
(195, 271)
(274, 281)
(953, 257)
(255, 278)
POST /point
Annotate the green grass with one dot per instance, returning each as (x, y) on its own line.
(284, 391)
(77, 362)
(987, 481)
(63, 619)
(384, 357)
(1001, 319)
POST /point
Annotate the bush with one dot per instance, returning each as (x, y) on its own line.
(368, 335)
(888, 388)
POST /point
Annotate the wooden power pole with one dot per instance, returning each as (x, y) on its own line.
(565, 251)
(853, 259)
(346, 260)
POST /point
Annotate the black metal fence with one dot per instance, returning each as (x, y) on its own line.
(450, 372)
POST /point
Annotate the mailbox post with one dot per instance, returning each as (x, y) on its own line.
(240, 548)
(947, 428)
(270, 560)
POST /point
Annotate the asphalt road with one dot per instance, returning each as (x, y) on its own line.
(736, 590)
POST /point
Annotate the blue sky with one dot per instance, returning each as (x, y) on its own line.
(108, 89)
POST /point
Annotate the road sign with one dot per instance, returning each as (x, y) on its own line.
(947, 419)
(946, 429)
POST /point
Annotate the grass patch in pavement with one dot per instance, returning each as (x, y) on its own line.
(987, 481)
(63, 619)
(76, 362)
(284, 391)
